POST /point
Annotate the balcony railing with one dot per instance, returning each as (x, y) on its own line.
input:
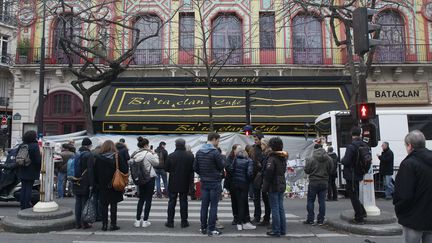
(385, 54)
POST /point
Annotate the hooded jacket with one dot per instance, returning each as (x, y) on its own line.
(412, 197)
(241, 170)
(319, 167)
(179, 164)
(123, 151)
(105, 166)
(209, 164)
(161, 152)
(87, 179)
(31, 172)
(274, 173)
(149, 159)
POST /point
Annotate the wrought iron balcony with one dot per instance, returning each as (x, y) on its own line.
(385, 54)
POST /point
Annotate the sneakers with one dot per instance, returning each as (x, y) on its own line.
(203, 231)
(146, 224)
(320, 223)
(239, 227)
(248, 226)
(219, 225)
(214, 233)
(264, 223)
(138, 223)
(308, 222)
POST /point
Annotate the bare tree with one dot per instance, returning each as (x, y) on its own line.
(90, 40)
(340, 14)
(196, 49)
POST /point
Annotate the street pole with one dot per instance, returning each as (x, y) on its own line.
(42, 76)
(247, 106)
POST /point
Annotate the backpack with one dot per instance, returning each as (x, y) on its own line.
(140, 175)
(22, 158)
(364, 159)
(74, 166)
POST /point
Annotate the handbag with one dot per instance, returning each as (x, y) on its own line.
(88, 214)
(120, 179)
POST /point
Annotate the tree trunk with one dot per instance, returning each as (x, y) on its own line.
(211, 127)
(88, 114)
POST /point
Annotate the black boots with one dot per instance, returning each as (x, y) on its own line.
(104, 226)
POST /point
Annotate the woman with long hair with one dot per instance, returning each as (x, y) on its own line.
(105, 167)
(145, 192)
(228, 183)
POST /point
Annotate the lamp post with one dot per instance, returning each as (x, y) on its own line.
(42, 76)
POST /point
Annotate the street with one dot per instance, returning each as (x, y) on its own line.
(157, 232)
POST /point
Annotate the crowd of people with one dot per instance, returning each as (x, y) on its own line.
(259, 168)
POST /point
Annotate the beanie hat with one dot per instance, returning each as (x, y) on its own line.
(86, 142)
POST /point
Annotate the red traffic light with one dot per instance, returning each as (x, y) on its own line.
(248, 133)
(366, 111)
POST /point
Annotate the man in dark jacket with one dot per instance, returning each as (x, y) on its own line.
(209, 164)
(352, 178)
(319, 168)
(386, 169)
(413, 191)
(332, 193)
(122, 149)
(179, 165)
(84, 185)
(257, 157)
(28, 174)
(66, 154)
(160, 170)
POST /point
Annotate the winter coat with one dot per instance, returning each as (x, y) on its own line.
(257, 156)
(105, 166)
(386, 162)
(66, 155)
(274, 173)
(123, 151)
(241, 170)
(161, 152)
(179, 164)
(209, 164)
(350, 159)
(413, 191)
(149, 159)
(319, 167)
(32, 171)
(87, 179)
(335, 159)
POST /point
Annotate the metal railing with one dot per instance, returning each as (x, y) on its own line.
(385, 54)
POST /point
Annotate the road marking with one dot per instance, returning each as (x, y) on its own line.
(171, 234)
(164, 214)
(165, 207)
(80, 241)
(195, 220)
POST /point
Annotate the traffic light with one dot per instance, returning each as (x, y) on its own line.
(366, 111)
(248, 129)
(362, 28)
(369, 134)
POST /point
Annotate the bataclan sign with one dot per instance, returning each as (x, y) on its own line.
(398, 93)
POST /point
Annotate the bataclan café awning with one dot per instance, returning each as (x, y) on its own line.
(280, 105)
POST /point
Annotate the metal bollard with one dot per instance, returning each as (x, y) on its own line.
(46, 203)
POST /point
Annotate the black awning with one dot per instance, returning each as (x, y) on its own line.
(183, 107)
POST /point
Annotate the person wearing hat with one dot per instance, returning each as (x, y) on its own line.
(83, 187)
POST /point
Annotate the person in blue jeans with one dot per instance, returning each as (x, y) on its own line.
(160, 170)
(275, 184)
(386, 169)
(319, 168)
(209, 164)
(61, 168)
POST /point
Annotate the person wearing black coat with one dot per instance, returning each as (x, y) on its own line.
(413, 191)
(179, 165)
(332, 193)
(28, 174)
(105, 167)
(122, 149)
(386, 169)
(160, 170)
(83, 187)
(241, 170)
(275, 184)
(352, 178)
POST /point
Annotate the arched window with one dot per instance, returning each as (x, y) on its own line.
(393, 35)
(70, 28)
(150, 50)
(307, 40)
(227, 40)
(63, 113)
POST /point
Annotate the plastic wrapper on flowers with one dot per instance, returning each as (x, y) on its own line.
(296, 179)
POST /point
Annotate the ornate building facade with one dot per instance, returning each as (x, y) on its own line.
(262, 40)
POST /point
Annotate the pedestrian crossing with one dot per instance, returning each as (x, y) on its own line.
(126, 211)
